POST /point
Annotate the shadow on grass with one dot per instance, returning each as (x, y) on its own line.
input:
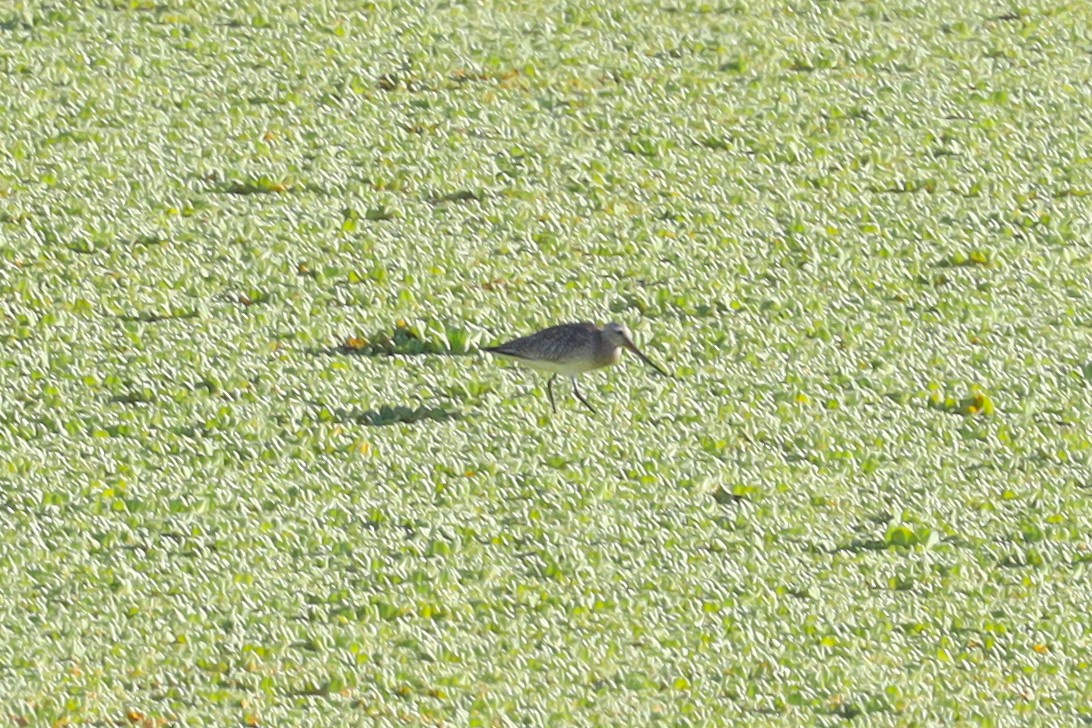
(264, 186)
(858, 545)
(437, 198)
(149, 317)
(399, 341)
(132, 398)
(385, 415)
(727, 497)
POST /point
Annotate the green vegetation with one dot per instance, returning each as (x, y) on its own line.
(255, 471)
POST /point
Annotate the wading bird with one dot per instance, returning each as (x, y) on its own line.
(571, 349)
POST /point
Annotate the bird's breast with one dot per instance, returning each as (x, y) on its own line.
(608, 357)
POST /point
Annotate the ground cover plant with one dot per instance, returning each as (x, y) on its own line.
(256, 471)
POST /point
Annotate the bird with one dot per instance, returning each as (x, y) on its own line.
(571, 349)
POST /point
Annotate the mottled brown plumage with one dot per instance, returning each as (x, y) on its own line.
(571, 349)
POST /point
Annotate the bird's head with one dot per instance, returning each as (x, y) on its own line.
(618, 334)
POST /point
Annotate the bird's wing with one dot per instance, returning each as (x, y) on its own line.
(553, 344)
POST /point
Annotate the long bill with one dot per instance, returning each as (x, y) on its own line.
(633, 347)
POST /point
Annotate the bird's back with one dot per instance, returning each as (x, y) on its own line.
(563, 348)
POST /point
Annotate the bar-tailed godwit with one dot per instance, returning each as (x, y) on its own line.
(571, 349)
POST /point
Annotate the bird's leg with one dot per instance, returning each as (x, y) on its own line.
(576, 391)
(550, 391)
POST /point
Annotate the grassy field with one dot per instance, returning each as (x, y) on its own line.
(256, 471)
